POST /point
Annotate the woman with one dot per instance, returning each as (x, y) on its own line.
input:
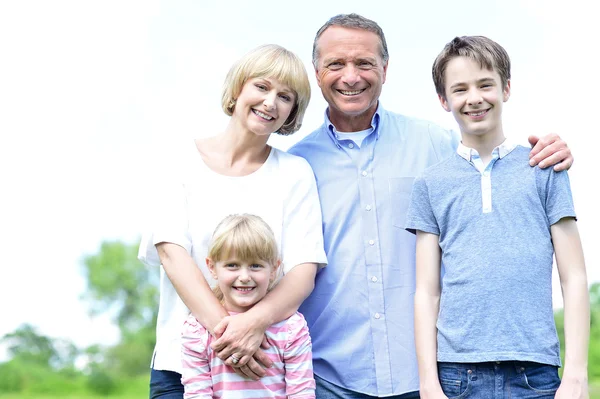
(235, 171)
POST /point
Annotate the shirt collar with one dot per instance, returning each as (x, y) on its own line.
(503, 150)
(332, 132)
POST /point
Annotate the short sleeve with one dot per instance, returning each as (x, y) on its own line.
(559, 199)
(420, 214)
(302, 233)
(168, 218)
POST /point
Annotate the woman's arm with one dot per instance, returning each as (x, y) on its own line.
(573, 281)
(190, 284)
(427, 306)
(243, 333)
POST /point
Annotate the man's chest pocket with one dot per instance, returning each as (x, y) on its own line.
(400, 189)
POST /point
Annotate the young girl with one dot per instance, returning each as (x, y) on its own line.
(244, 259)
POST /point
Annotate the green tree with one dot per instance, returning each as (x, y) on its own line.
(118, 283)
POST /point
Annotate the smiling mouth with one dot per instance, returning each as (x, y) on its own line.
(244, 289)
(351, 92)
(262, 115)
(477, 113)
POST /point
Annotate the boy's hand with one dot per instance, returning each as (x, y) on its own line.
(550, 150)
(572, 389)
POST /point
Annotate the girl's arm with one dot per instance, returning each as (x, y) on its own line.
(297, 359)
(196, 375)
(427, 306)
(573, 281)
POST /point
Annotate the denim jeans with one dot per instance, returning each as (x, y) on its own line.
(327, 390)
(498, 380)
(165, 385)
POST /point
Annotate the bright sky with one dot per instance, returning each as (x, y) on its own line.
(89, 91)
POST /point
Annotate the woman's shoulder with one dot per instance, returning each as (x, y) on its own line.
(292, 164)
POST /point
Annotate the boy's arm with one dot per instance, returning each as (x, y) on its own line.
(573, 281)
(427, 306)
(550, 150)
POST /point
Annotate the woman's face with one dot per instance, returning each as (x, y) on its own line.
(264, 104)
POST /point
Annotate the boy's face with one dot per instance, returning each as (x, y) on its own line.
(475, 96)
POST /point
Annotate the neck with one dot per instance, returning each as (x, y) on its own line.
(239, 146)
(351, 123)
(484, 144)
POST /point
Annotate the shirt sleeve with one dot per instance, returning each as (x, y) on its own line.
(196, 375)
(297, 357)
(558, 199)
(302, 233)
(420, 214)
(169, 215)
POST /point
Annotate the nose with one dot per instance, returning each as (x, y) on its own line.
(351, 75)
(474, 97)
(244, 276)
(269, 101)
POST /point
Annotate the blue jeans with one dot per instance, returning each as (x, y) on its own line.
(498, 380)
(165, 385)
(327, 390)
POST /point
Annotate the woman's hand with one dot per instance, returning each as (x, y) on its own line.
(241, 335)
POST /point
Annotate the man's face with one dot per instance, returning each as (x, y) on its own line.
(350, 72)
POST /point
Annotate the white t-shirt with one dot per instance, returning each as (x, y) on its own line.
(194, 199)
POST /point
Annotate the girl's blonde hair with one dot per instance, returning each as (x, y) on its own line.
(245, 237)
(270, 61)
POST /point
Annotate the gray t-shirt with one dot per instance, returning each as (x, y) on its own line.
(496, 299)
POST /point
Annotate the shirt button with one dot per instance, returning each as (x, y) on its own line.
(364, 173)
(368, 207)
(374, 279)
(351, 145)
(377, 316)
(371, 242)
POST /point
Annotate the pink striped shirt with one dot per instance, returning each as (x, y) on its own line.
(205, 376)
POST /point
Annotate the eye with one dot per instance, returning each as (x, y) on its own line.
(260, 86)
(365, 64)
(285, 97)
(231, 265)
(486, 85)
(335, 65)
(256, 266)
(458, 90)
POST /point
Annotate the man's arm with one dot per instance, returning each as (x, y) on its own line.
(550, 150)
(573, 281)
(427, 306)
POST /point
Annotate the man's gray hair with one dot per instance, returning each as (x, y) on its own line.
(353, 21)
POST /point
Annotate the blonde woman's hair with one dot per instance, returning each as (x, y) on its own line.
(248, 238)
(270, 61)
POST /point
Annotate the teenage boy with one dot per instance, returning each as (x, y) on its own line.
(495, 223)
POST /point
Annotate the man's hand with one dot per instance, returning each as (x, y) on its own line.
(241, 336)
(550, 150)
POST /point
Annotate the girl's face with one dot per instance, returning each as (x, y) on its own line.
(242, 282)
(264, 105)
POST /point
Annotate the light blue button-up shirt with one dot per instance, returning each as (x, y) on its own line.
(360, 313)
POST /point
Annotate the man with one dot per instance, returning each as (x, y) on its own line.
(365, 158)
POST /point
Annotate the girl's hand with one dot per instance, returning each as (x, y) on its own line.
(241, 335)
